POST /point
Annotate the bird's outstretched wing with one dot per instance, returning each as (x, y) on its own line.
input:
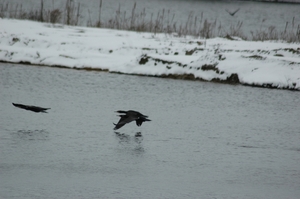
(119, 125)
(31, 108)
(236, 11)
(123, 120)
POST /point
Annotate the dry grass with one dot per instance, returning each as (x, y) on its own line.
(291, 33)
(161, 22)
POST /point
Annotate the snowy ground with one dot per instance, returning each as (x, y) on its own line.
(268, 64)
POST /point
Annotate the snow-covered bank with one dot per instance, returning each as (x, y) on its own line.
(269, 64)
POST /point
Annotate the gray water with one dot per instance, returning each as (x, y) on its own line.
(205, 140)
(254, 16)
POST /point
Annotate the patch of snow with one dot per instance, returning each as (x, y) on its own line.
(272, 63)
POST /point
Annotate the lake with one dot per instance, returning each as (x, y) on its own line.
(205, 140)
(254, 16)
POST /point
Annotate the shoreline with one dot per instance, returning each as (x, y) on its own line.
(233, 80)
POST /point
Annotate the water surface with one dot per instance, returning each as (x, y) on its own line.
(205, 140)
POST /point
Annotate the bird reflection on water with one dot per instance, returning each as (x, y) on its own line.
(41, 134)
(138, 137)
(132, 143)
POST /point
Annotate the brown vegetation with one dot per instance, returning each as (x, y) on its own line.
(161, 22)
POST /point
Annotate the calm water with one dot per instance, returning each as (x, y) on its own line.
(205, 140)
(255, 16)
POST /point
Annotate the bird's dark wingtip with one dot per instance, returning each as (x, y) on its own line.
(115, 128)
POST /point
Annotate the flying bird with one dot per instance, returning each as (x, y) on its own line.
(233, 13)
(31, 108)
(129, 116)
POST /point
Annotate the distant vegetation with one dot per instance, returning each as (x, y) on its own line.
(161, 22)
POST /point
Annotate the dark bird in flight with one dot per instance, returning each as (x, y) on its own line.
(233, 13)
(31, 108)
(129, 116)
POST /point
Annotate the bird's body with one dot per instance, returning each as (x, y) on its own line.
(31, 108)
(129, 116)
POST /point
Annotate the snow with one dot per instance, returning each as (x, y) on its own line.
(270, 63)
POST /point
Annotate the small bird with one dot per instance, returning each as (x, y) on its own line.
(233, 13)
(31, 108)
(129, 117)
